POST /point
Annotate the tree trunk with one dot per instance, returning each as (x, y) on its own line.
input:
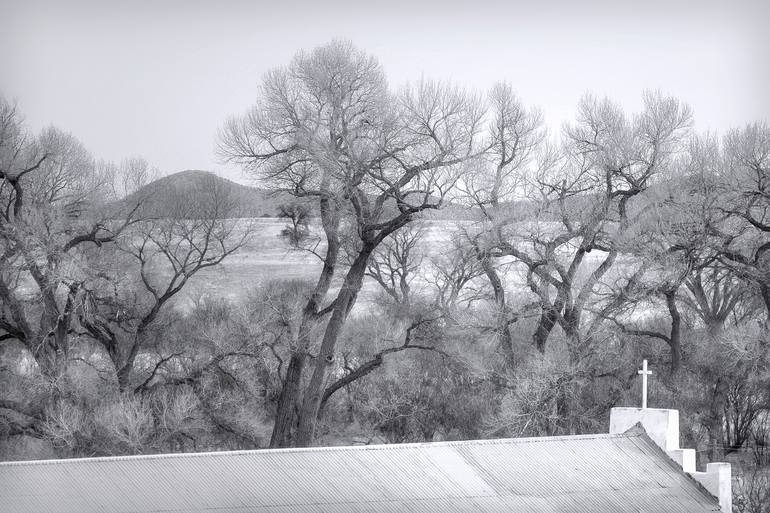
(61, 330)
(715, 326)
(308, 415)
(504, 333)
(765, 290)
(285, 415)
(715, 422)
(290, 391)
(124, 372)
(550, 316)
(544, 328)
(51, 339)
(287, 402)
(675, 337)
(571, 325)
(564, 414)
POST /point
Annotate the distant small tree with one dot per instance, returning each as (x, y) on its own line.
(298, 215)
(133, 174)
(395, 263)
(454, 274)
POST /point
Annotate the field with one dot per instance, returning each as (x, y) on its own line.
(268, 257)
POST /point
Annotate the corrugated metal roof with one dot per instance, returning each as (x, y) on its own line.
(596, 473)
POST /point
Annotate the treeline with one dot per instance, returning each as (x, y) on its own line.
(624, 236)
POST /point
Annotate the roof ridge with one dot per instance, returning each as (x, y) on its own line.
(493, 441)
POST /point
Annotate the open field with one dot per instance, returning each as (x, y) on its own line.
(267, 258)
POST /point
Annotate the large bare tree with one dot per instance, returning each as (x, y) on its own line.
(579, 201)
(496, 186)
(327, 126)
(52, 213)
(744, 236)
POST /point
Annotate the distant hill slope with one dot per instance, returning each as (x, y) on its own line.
(248, 201)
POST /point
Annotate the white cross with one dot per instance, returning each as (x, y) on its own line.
(644, 372)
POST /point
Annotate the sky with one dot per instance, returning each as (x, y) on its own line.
(158, 78)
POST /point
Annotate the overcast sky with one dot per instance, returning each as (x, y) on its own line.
(157, 79)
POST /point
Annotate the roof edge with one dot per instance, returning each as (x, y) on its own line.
(638, 430)
(633, 432)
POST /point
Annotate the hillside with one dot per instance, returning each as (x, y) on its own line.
(248, 201)
(255, 202)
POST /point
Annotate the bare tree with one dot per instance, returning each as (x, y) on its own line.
(299, 216)
(455, 273)
(668, 243)
(584, 205)
(327, 127)
(744, 236)
(53, 214)
(715, 293)
(683, 238)
(133, 173)
(167, 253)
(410, 342)
(396, 261)
(494, 187)
(753, 493)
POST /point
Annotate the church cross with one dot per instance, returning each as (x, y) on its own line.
(644, 372)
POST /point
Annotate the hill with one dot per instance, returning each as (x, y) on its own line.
(255, 202)
(248, 201)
